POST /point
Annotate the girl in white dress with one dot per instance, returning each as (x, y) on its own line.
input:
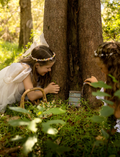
(107, 57)
(30, 72)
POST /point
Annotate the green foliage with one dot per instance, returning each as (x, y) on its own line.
(32, 124)
(76, 138)
(100, 84)
(31, 135)
(104, 133)
(113, 78)
(111, 22)
(107, 101)
(10, 19)
(98, 119)
(106, 111)
(117, 93)
(106, 116)
(9, 53)
(4, 2)
(99, 93)
(19, 109)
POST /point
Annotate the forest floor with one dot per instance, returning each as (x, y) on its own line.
(78, 137)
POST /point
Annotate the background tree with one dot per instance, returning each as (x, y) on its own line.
(4, 2)
(26, 24)
(111, 20)
(10, 19)
(73, 30)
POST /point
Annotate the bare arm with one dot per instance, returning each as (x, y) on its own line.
(33, 95)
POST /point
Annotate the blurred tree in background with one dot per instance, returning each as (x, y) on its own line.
(26, 24)
(111, 20)
(4, 2)
(10, 19)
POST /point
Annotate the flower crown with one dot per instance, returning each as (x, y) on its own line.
(100, 55)
(45, 59)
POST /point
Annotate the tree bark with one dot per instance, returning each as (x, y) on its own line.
(90, 36)
(73, 29)
(25, 23)
(74, 66)
(55, 30)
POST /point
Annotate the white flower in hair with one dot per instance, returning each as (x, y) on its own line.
(100, 55)
(95, 53)
(111, 54)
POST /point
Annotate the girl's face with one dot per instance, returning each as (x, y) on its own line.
(102, 66)
(42, 70)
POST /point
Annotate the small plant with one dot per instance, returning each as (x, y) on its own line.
(37, 125)
(105, 118)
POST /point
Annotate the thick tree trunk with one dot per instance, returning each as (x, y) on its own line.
(55, 30)
(73, 30)
(25, 22)
(90, 36)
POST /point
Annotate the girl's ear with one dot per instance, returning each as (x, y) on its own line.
(37, 64)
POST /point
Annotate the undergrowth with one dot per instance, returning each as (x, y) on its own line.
(76, 138)
(9, 53)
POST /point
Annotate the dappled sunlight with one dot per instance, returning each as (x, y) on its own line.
(27, 147)
(16, 138)
(52, 131)
(32, 125)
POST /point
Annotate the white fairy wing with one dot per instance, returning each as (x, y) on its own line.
(34, 44)
(43, 41)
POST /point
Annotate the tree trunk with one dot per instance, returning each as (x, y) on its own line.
(25, 23)
(55, 30)
(73, 30)
(75, 76)
(90, 36)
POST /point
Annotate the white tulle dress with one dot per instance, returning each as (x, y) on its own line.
(11, 83)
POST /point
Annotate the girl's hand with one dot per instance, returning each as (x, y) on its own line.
(91, 80)
(52, 88)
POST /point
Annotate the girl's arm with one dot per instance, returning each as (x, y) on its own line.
(33, 95)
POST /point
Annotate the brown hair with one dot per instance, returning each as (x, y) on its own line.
(109, 54)
(39, 52)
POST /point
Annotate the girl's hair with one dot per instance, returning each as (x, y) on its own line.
(39, 52)
(109, 54)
